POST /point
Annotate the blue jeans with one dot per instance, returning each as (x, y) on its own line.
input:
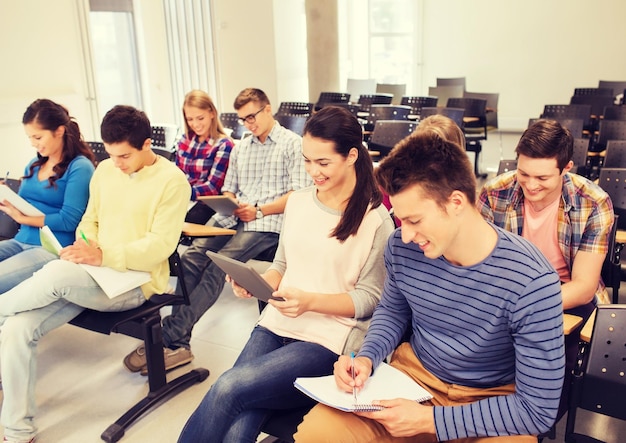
(205, 281)
(260, 382)
(53, 296)
(18, 261)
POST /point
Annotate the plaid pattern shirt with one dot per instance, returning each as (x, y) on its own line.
(204, 163)
(585, 214)
(260, 173)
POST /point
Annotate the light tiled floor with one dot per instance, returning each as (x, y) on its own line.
(83, 386)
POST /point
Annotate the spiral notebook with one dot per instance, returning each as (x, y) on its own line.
(387, 383)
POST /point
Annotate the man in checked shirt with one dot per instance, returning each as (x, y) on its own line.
(566, 216)
(264, 169)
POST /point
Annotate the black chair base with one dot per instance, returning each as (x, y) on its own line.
(116, 431)
(143, 323)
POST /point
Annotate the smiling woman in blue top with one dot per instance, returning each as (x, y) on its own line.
(56, 182)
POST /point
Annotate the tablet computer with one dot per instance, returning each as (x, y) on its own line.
(222, 204)
(245, 276)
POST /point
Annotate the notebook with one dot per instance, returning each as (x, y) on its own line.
(112, 282)
(22, 205)
(221, 204)
(49, 240)
(387, 383)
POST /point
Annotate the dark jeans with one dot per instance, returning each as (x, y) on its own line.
(261, 382)
(205, 281)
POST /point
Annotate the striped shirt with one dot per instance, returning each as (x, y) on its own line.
(204, 163)
(487, 325)
(260, 173)
(585, 214)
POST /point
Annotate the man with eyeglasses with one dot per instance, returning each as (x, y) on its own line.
(263, 170)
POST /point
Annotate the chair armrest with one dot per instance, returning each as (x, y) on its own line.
(197, 230)
(587, 330)
(570, 322)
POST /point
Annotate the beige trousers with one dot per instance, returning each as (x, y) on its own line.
(327, 425)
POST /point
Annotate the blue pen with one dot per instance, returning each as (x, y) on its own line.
(84, 237)
(353, 381)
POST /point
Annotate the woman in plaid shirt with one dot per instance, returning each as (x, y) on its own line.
(202, 152)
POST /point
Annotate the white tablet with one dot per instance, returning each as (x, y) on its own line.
(222, 204)
(245, 276)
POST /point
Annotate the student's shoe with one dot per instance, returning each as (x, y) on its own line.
(173, 359)
(6, 440)
(136, 360)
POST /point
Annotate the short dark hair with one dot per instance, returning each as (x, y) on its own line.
(250, 95)
(547, 139)
(425, 159)
(125, 124)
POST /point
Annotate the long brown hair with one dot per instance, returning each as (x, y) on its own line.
(339, 126)
(201, 100)
(50, 116)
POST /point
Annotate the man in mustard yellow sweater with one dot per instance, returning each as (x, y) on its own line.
(133, 220)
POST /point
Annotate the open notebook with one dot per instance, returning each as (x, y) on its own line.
(22, 205)
(387, 383)
(112, 282)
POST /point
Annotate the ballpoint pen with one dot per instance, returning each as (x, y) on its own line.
(352, 369)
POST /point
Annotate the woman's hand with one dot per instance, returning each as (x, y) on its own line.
(296, 302)
(12, 211)
(237, 290)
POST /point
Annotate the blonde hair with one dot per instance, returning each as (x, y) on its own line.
(201, 100)
(444, 127)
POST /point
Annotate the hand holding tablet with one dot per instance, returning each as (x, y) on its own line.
(222, 204)
(245, 276)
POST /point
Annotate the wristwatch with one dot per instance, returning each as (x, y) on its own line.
(259, 213)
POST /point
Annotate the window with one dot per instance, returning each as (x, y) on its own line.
(116, 70)
(381, 41)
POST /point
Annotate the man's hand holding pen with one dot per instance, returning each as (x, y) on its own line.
(401, 417)
(343, 372)
(83, 251)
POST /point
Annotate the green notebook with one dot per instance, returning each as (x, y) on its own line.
(48, 241)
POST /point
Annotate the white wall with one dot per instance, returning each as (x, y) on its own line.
(260, 44)
(243, 34)
(290, 42)
(41, 58)
(532, 52)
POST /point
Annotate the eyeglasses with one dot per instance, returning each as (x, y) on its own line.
(249, 118)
